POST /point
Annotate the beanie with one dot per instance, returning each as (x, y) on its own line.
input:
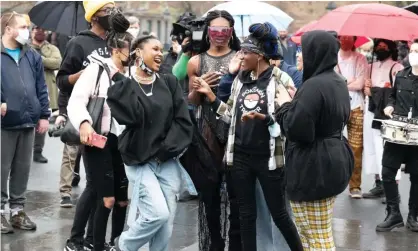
(91, 7)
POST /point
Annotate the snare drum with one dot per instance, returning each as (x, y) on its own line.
(399, 132)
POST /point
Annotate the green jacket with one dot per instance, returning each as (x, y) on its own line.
(51, 58)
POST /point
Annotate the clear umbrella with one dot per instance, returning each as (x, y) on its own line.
(252, 12)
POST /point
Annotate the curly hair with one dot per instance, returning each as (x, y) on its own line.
(205, 45)
(393, 49)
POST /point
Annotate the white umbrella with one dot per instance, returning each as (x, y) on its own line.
(247, 13)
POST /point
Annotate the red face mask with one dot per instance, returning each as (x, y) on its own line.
(219, 35)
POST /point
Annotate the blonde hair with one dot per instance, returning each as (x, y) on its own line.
(8, 19)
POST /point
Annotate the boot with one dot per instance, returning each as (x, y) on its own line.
(376, 192)
(393, 219)
(411, 222)
(39, 158)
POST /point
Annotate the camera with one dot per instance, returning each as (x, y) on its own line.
(188, 26)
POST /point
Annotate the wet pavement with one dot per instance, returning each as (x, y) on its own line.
(354, 220)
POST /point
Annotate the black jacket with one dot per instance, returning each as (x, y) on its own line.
(75, 60)
(404, 93)
(158, 126)
(23, 89)
(319, 161)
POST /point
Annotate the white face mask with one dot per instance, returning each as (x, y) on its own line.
(133, 31)
(413, 59)
(23, 36)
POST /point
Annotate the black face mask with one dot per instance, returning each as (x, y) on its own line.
(382, 54)
(126, 63)
(104, 22)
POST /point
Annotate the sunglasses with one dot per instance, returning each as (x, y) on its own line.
(220, 29)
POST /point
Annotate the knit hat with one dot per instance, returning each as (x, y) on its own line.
(91, 7)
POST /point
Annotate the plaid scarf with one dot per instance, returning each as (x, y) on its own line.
(227, 111)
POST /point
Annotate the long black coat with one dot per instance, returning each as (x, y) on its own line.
(319, 161)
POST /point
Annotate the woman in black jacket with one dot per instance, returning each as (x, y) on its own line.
(158, 130)
(319, 161)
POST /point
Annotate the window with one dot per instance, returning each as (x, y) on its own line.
(149, 26)
(159, 29)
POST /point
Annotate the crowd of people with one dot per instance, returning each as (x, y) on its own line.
(264, 132)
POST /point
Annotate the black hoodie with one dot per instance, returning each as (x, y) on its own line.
(319, 161)
(75, 60)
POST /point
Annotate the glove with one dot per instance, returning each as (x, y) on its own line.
(388, 111)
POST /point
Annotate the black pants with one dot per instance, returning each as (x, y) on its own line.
(393, 156)
(211, 198)
(105, 178)
(247, 168)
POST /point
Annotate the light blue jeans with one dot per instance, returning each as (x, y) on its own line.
(269, 237)
(155, 191)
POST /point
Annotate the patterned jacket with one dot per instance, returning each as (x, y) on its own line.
(226, 111)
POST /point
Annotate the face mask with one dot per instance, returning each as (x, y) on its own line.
(413, 59)
(40, 36)
(382, 54)
(219, 35)
(104, 22)
(142, 64)
(283, 37)
(133, 31)
(23, 36)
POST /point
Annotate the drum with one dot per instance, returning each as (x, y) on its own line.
(399, 132)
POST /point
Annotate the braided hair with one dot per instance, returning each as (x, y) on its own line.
(205, 45)
(118, 37)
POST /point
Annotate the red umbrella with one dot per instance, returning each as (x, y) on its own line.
(370, 20)
(297, 36)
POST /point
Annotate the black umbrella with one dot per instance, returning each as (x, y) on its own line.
(63, 17)
(412, 8)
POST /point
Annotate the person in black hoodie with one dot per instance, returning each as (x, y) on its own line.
(319, 161)
(158, 130)
(73, 63)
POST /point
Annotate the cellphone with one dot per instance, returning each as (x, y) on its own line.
(98, 141)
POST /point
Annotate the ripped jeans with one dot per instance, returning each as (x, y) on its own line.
(155, 190)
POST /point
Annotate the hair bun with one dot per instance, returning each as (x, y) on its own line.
(263, 32)
(119, 23)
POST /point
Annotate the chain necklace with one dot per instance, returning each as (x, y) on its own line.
(139, 79)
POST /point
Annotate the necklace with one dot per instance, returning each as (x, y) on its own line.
(152, 78)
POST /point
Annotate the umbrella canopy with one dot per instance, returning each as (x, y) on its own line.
(63, 17)
(412, 8)
(254, 12)
(297, 36)
(370, 20)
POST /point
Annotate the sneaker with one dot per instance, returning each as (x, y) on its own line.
(6, 228)
(356, 193)
(66, 202)
(109, 247)
(376, 192)
(88, 246)
(22, 221)
(76, 180)
(39, 158)
(71, 246)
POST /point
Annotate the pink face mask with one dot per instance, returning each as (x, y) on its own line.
(219, 35)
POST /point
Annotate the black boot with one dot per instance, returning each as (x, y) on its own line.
(393, 218)
(376, 192)
(411, 222)
(38, 157)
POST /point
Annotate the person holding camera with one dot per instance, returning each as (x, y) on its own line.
(75, 60)
(218, 47)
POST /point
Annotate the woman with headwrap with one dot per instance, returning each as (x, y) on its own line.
(319, 161)
(251, 149)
